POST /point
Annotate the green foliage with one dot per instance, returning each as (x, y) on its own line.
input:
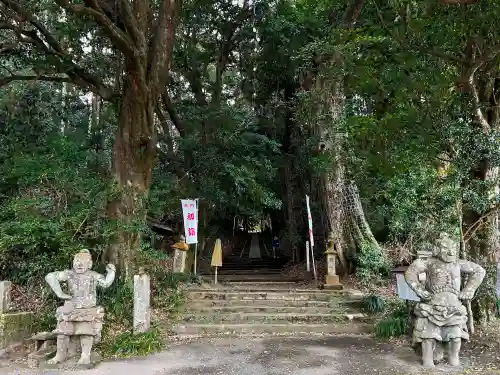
(119, 302)
(127, 344)
(52, 200)
(371, 263)
(373, 304)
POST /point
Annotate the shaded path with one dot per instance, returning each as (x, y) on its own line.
(346, 355)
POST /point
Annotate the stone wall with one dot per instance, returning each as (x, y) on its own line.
(14, 326)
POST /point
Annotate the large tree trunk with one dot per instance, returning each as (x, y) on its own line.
(484, 245)
(483, 87)
(134, 155)
(344, 217)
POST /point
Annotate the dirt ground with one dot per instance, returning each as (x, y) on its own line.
(337, 355)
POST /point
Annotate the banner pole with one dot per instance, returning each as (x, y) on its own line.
(313, 263)
(308, 266)
(196, 244)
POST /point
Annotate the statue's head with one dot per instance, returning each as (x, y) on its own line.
(82, 262)
(182, 238)
(446, 248)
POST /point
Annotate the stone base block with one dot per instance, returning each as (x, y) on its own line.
(332, 282)
(69, 364)
(15, 327)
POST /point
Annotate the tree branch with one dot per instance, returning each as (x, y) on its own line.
(162, 42)
(226, 46)
(51, 47)
(432, 51)
(352, 13)
(6, 80)
(93, 9)
(132, 26)
(468, 79)
(174, 117)
(7, 48)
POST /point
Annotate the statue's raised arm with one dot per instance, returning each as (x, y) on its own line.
(106, 281)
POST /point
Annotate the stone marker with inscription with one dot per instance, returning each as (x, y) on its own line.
(441, 318)
(142, 295)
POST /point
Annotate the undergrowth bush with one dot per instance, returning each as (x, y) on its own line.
(373, 304)
(118, 300)
(372, 264)
(117, 337)
(396, 321)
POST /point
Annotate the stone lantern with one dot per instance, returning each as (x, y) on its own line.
(331, 279)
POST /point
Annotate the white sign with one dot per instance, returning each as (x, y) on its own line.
(310, 221)
(190, 213)
(404, 290)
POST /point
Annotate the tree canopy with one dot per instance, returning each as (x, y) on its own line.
(385, 113)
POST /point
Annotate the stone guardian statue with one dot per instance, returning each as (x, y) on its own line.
(441, 318)
(80, 316)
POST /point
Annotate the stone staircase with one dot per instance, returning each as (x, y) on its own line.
(273, 307)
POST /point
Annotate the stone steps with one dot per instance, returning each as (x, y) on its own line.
(258, 287)
(260, 329)
(265, 303)
(314, 308)
(273, 317)
(207, 303)
(265, 295)
(245, 278)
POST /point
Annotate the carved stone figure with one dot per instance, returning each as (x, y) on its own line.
(440, 315)
(79, 317)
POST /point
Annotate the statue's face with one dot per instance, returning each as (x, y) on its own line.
(82, 263)
(447, 249)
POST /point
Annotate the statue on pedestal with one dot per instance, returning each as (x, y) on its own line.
(79, 317)
(440, 315)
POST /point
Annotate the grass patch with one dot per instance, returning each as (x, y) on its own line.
(395, 322)
(373, 304)
(126, 344)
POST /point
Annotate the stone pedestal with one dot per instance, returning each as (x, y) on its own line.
(180, 256)
(332, 280)
(142, 294)
(179, 264)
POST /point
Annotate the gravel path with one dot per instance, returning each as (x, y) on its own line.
(341, 355)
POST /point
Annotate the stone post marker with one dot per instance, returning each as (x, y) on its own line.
(142, 294)
(5, 289)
